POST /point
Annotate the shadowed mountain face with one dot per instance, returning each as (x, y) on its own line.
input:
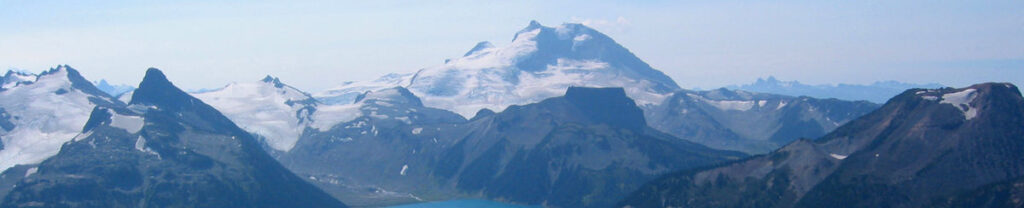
(166, 149)
(751, 122)
(380, 156)
(585, 149)
(920, 148)
(1004, 194)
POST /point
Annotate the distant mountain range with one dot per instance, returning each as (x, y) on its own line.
(561, 117)
(877, 92)
(751, 122)
(924, 148)
(113, 89)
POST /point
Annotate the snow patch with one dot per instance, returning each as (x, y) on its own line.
(132, 124)
(417, 131)
(140, 145)
(725, 105)
(31, 171)
(568, 64)
(581, 38)
(781, 104)
(373, 114)
(962, 101)
(346, 139)
(329, 115)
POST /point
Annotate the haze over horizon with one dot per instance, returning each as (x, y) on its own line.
(317, 45)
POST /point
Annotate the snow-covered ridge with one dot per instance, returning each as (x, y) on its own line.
(737, 100)
(46, 113)
(277, 112)
(347, 92)
(13, 78)
(541, 62)
(280, 113)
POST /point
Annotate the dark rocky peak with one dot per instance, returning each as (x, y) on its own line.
(273, 80)
(973, 101)
(607, 105)
(158, 92)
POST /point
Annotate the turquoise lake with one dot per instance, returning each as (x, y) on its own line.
(463, 203)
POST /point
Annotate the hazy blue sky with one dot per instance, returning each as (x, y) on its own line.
(314, 45)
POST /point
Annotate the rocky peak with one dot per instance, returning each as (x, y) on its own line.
(607, 105)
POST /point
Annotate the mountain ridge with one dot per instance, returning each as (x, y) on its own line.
(165, 148)
(915, 142)
(877, 92)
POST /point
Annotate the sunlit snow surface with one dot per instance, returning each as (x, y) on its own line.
(132, 124)
(491, 77)
(261, 107)
(46, 114)
(13, 78)
(962, 101)
(280, 113)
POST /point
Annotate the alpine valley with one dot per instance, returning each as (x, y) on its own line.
(561, 116)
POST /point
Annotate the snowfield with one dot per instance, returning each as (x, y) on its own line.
(540, 62)
(46, 114)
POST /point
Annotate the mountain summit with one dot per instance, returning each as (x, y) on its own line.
(540, 62)
(38, 113)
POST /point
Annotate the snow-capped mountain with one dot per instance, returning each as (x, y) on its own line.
(166, 149)
(113, 89)
(273, 110)
(921, 147)
(539, 63)
(41, 113)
